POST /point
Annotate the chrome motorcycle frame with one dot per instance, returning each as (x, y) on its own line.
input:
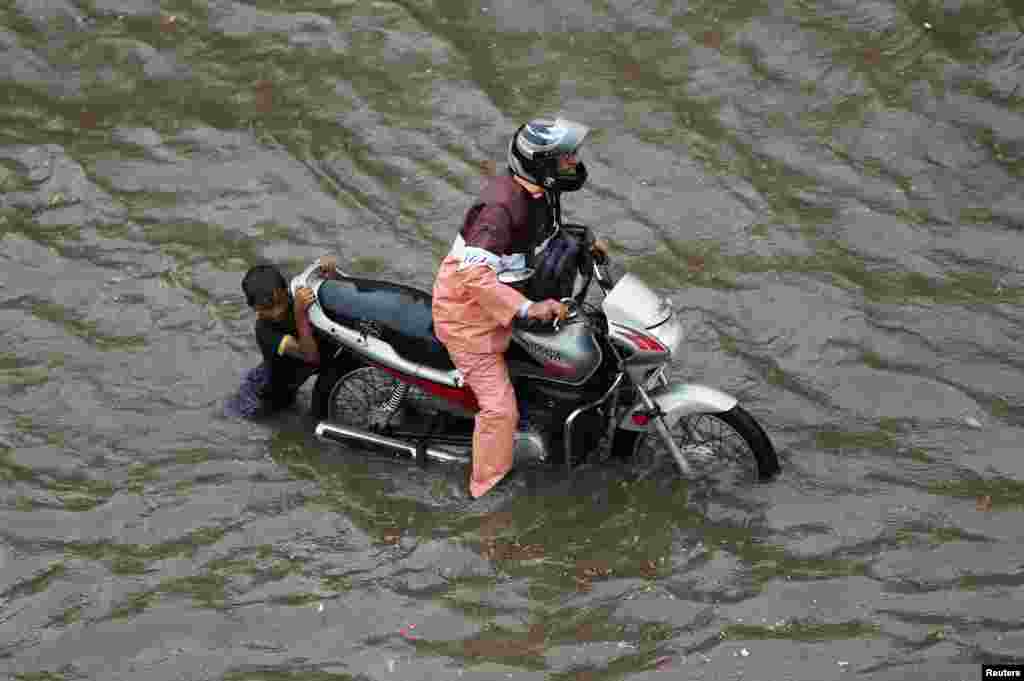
(660, 404)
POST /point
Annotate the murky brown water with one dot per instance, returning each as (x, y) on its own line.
(830, 191)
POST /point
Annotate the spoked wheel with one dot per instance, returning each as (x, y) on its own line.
(363, 399)
(372, 399)
(729, 448)
(357, 395)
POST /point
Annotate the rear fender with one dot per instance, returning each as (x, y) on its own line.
(364, 346)
(676, 400)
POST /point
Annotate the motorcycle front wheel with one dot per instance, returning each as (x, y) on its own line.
(727, 447)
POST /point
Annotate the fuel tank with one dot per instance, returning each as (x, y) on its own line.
(570, 355)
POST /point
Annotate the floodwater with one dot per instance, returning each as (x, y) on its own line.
(829, 191)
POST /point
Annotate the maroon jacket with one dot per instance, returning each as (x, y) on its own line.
(506, 219)
(472, 310)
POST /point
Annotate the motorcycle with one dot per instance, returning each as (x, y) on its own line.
(590, 388)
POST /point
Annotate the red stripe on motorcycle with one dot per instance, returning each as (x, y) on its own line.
(463, 396)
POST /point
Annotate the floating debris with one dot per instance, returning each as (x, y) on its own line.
(712, 39)
(264, 95)
(87, 120)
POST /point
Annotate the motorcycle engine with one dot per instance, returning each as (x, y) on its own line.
(544, 409)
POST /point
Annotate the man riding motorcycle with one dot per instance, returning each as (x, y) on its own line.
(513, 219)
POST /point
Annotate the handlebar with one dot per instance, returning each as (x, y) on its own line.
(571, 312)
(530, 324)
(604, 278)
(591, 265)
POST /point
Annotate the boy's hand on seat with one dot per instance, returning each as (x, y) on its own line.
(303, 298)
(328, 266)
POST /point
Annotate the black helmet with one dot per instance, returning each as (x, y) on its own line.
(534, 150)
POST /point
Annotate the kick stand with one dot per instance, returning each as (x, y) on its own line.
(436, 425)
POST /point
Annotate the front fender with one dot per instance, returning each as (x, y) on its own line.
(680, 399)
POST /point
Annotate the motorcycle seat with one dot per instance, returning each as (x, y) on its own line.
(399, 315)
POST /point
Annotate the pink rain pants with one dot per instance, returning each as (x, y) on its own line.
(473, 315)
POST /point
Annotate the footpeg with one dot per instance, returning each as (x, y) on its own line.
(529, 445)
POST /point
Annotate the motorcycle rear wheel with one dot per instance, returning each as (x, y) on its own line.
(740, 449)
(354, 396)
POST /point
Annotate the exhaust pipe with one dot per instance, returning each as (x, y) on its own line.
(332, 432)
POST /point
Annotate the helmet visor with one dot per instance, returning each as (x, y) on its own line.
(547, 138)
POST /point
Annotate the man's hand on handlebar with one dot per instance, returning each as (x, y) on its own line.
(547, 310)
